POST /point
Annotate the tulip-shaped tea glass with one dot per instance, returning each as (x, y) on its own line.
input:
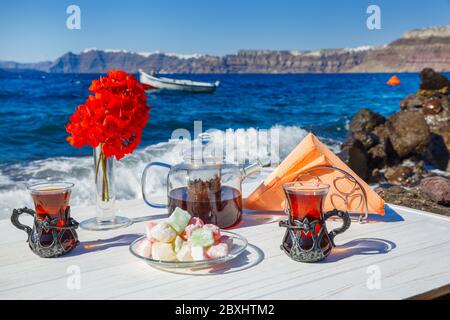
(307, 238)
(53, 233)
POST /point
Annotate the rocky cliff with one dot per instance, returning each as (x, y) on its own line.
(414, 51)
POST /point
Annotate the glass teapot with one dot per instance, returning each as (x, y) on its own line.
(207, 187)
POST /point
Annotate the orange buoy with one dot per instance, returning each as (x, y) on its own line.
(393, 81)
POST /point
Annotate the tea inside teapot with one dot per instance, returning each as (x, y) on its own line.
(209, 200)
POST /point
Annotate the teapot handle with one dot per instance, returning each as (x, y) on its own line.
(143, 184)
(15, 219)
(345, 225)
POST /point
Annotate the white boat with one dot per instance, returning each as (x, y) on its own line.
(151, 82)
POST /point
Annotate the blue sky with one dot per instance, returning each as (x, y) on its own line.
(36, 30)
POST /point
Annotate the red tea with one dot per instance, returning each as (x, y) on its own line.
(308, 205)
(53, 201)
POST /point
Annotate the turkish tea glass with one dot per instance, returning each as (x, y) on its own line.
(307, 238)
(53, 233)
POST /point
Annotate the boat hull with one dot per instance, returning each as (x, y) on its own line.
(176, 85)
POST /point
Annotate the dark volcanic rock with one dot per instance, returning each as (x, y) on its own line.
(399, 175)
(408, 133)
(439, 146)
(376, 176)
(355, 156)
(365, 144)
(368, 139)
(419, 168)
(412, 198)
(382, 153)
(445, 102)
(382, 133)
(432, 106)
(440, 120)
(411, 102)
(378, 156)
(431, 80)
(437, 188)
(438, 151)
(365, 121)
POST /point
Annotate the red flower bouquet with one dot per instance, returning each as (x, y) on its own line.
(113, 117)
(111, 121)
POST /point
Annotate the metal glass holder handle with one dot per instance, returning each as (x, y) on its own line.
(144, 180)
(15, 220)
(345, 224)
(315, 252)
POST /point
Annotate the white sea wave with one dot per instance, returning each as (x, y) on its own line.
(128, 171)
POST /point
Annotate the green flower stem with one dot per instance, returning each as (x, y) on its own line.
(105, 187)
(97, 165)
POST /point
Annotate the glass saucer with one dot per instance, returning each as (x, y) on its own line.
(93, 224)
(239, 245)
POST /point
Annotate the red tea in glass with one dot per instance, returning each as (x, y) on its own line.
(52, 200)
(306, 238)
(305, 201)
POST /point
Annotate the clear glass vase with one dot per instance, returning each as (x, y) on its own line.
(105, 209)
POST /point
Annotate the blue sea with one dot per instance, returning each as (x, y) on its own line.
(35, 107)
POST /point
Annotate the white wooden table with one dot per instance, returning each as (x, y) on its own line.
(401, 255)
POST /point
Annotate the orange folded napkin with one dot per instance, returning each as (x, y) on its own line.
(308, 154)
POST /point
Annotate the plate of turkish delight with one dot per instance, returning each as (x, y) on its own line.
(183, 241)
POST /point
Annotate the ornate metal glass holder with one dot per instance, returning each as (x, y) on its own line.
(343, 199)
(306, 238)
(292, 242)
(47, 239)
